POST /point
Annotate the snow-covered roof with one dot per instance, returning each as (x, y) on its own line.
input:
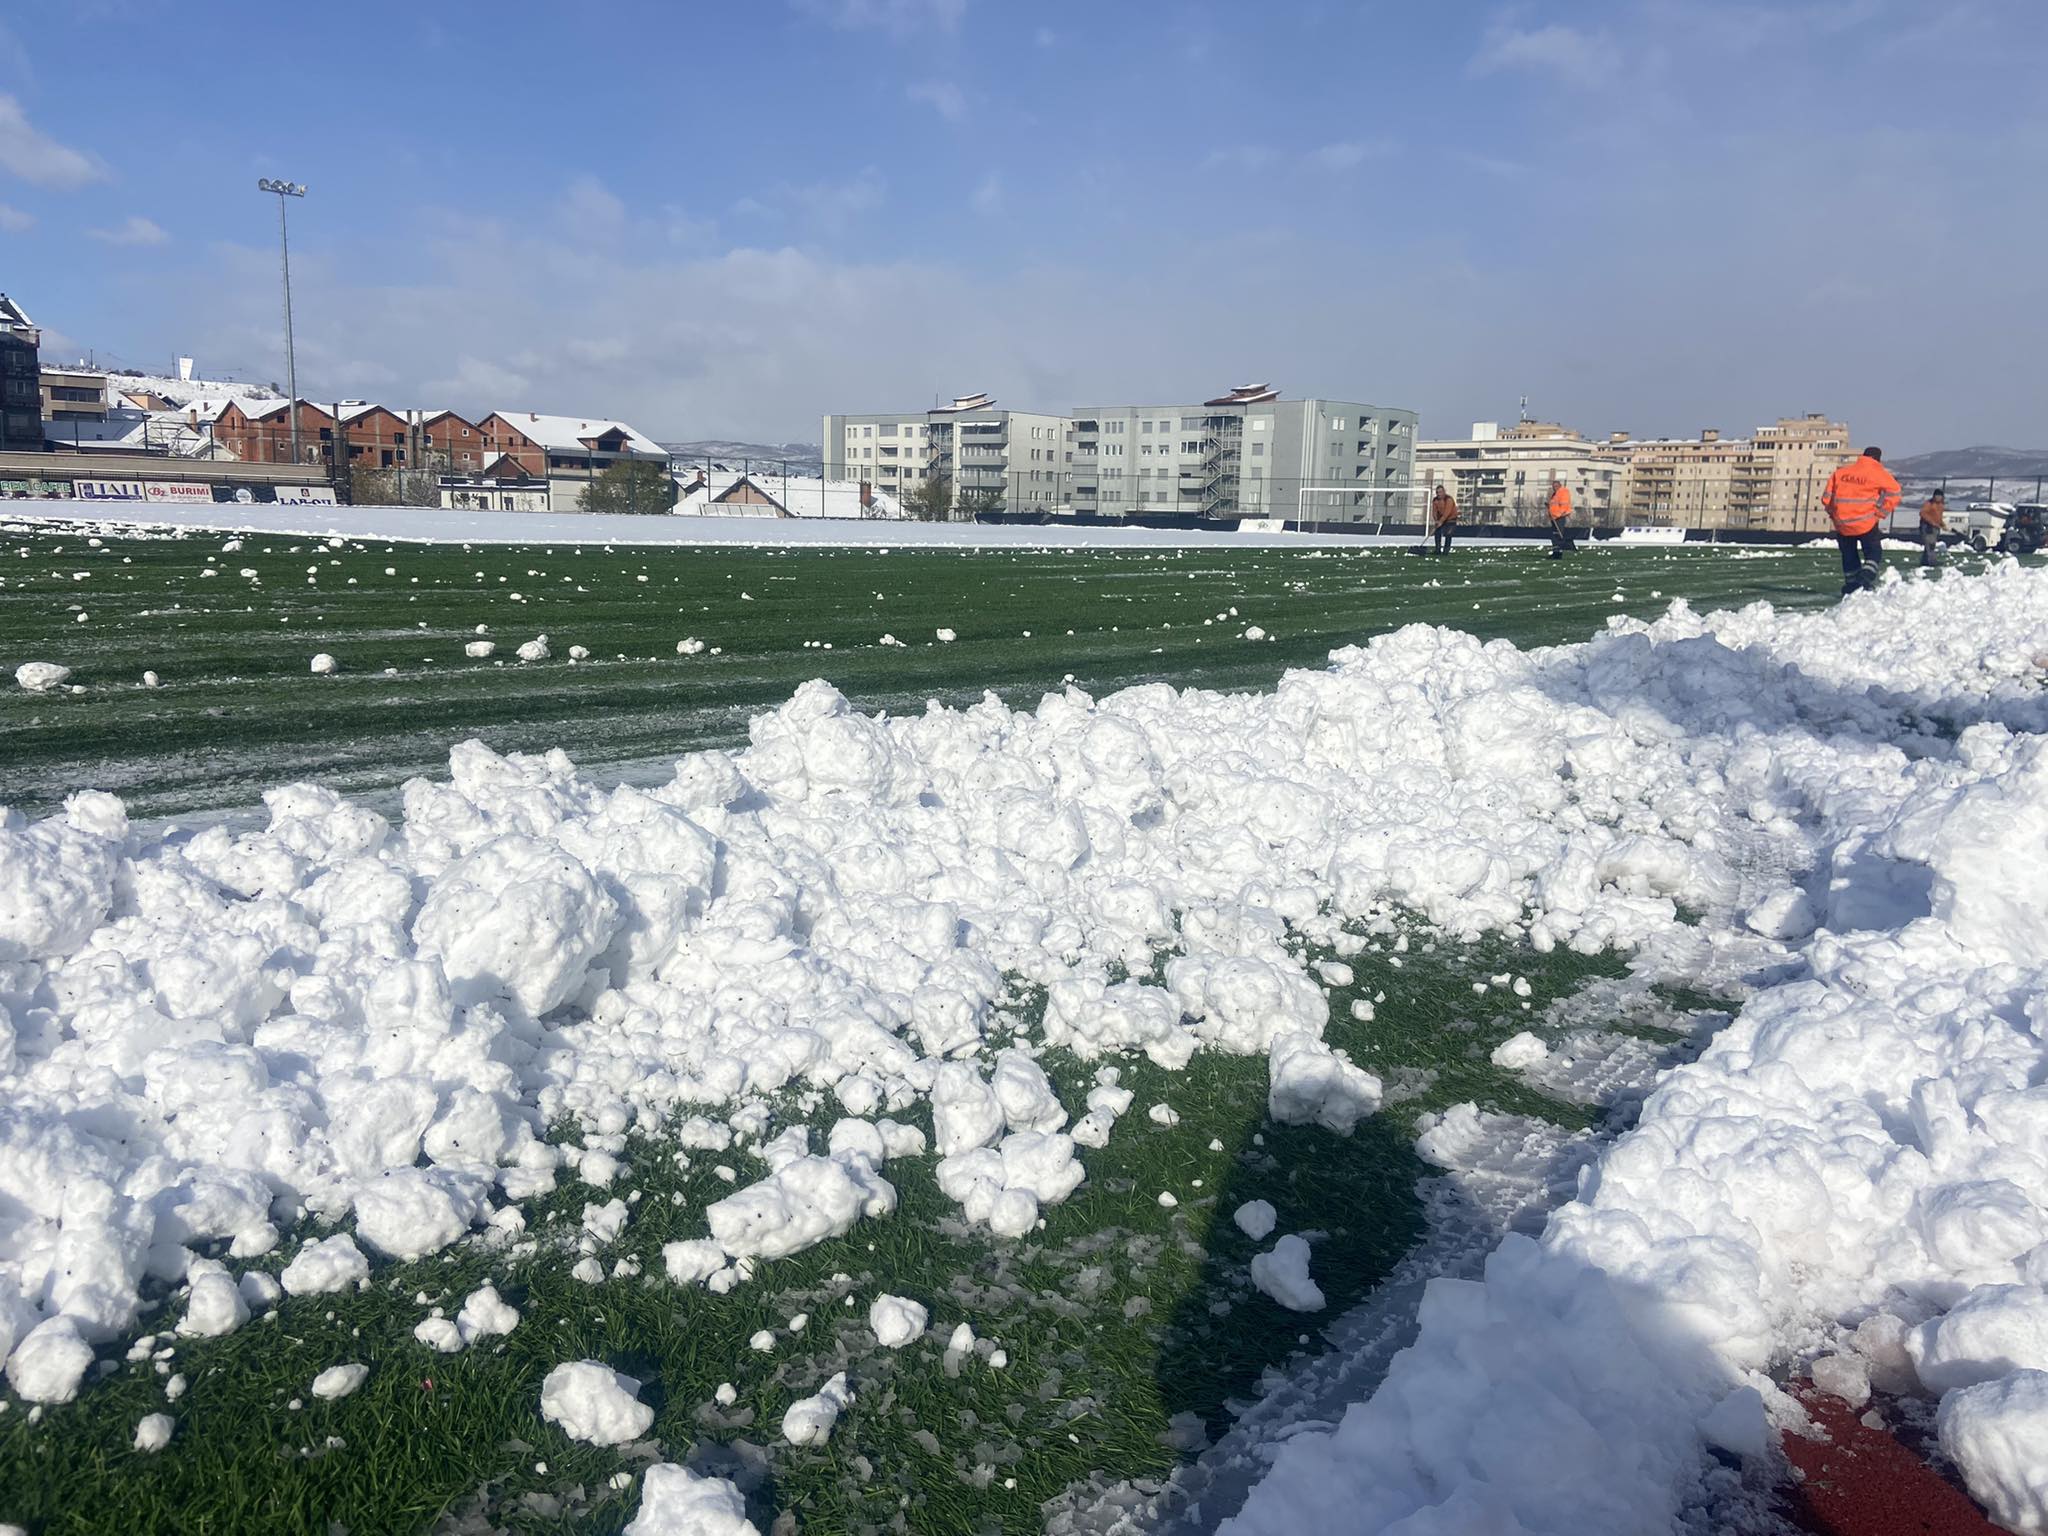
(791, 496)
(126, 427)
(574, 432)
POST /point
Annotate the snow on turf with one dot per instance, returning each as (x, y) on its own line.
(340, 1380)
(1282, 1273)
(1855, 1169)
(592, 1402)
(207, 1037)
(809, 1420)
(40, 676)
(897, 1320)
(674, 1501)
(152, 1432)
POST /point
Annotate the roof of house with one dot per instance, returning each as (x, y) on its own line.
(573, 432)
(791, 496)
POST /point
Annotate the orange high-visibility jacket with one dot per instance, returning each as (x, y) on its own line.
(1443, 508)
(1560, 503)
(1932, 513)
(1860, 495)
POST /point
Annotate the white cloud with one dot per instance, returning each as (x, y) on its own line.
(899, 18)
(35, 157)
(1585, 60)
(942, 96)
(1045, 37)
(988, 196)
(133, 230)
(14, 221)
(1350, 153)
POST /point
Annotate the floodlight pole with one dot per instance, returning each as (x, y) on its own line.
(285, 189)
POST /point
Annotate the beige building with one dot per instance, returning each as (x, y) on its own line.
(1675, 482)
(1770, 480)
(73, 394)
(1503, 475)
(1778, 484)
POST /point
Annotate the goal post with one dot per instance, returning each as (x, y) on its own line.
(1338, 501)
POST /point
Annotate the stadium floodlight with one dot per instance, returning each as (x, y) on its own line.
(285, 189)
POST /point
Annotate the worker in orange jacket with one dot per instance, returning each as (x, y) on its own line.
(1933, 518)
(1860, 498)
(1443, 519)
(1560, 519)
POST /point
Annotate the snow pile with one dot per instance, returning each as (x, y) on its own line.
(1856, 1168)
(674, 1501)
(594, 1403)
(208, 1038)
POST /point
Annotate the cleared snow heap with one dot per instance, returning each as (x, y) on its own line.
(207, 1038)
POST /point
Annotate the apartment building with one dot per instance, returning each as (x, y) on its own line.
(21, 412)
(886, 448)
(1244, 453)
(987, 454)
(1675, 482)
(73, 395)
(1778, 483)
(1503, 475)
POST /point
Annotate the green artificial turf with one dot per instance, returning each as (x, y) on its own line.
(239, 710)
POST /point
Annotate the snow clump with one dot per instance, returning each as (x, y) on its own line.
(897, 1320)
(340, 1380)
(592, 1402)
(809, 1420)
(40, 676)
(1282, 1273)
(674, 1501)
(323, 664)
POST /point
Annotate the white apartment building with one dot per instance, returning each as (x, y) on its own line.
(988, 455)
(1504, 476)
(1247, 453)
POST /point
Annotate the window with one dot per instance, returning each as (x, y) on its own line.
(1337, 425)
(1258, 450)
(888, 429)
(867, 431)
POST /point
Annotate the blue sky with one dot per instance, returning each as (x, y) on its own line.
(721, 219)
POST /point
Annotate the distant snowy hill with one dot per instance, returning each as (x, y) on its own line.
(1975, 464)
(186, 390)
(1974, 474)
(800, 458)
